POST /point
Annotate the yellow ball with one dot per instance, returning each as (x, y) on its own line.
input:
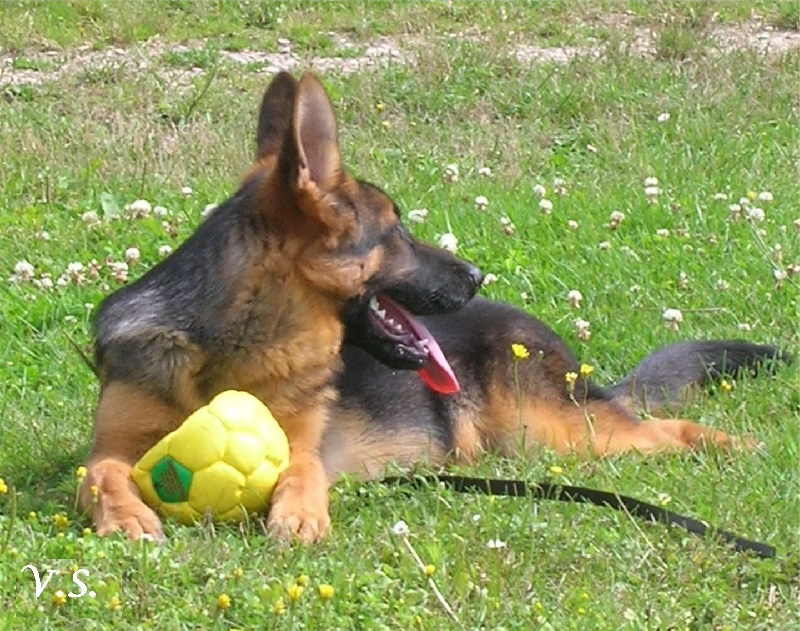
(223, 461)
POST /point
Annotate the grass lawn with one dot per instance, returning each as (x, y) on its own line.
(557, 114)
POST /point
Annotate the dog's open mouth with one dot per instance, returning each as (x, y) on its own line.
(412, 337)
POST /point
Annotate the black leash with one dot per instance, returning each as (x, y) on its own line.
(579, 494)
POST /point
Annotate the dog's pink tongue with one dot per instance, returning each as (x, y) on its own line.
(436, 373)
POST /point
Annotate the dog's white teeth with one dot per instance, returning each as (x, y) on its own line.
(390, 322)
(373, 304)
(381, 313)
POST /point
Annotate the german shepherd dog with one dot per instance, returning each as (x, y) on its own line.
(300, 289)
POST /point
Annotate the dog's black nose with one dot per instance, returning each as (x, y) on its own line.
(476, 276)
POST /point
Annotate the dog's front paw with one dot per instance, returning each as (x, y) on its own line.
(300, 506)
(292, 520)
(134, 519)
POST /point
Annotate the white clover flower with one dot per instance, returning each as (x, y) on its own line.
(119, 271)
(43, 235)
(662, 232)
(683, 280)
(45, 282)
(765, 196)
(663, 117)
(546, 206)
(591, 148)
(208, 209)
(650, 181)
(744, 326)
(75, 272)
(755, 214)
(418, 216)
(186, 191)
(652, 191)
(720, 197)
(495, 544)
(604, 245)
(780, 275)
(507, 226)
(582, 329)
(160, 211)
(489, 279)
(539, 190)
(574, 298)
(736, 211)
(90, 218)
(744, 201)
(558, 186)
(23, 270)
(481, 202)
(449, 242)
(450, 173)
(615, 219)
(722, 285)
(485, 171)
(400, 528)
(164, 250)
(132, 255)
(140, 208)
(672, 318)
(572, 224)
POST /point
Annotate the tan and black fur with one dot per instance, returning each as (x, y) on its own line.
(262, 297)
(252, 301)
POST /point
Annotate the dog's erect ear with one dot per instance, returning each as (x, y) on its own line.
(275, 119)
(311, 148)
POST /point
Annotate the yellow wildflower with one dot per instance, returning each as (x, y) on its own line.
(520, 352)
(95, 490)
(59, 598)
(3, 487)
(61, 521)
(223, 602)
(725, 385)
(326, 591)
(586, 370)
(279, 607)
(570, 378)
(751, 195)
(238, 573)
(302, 580)
(87, 532)
(114, 603)
(81, 472)
(556, 470)
(429, 569)
(294, 592)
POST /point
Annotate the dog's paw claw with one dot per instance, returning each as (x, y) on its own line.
(139, 522)
(304, 526)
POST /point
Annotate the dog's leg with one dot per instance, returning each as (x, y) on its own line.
(127, 424)
(300, 500)
(603, 428)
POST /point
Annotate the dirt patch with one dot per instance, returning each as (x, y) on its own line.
(763, 39)
(349, 57)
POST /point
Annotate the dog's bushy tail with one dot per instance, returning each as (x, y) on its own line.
(667, 376)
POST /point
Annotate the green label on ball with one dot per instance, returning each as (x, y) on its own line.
(171, 480)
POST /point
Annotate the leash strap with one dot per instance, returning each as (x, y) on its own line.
(579, 494)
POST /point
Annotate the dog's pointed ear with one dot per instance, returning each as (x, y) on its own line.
(311, 151)
(275, 118)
